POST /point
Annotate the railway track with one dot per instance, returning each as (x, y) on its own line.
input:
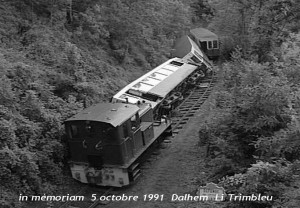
(185, 111)
(89, 201)
(193, 102)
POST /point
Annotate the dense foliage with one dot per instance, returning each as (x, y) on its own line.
(257, 26)
(57, 57)
(253, 136)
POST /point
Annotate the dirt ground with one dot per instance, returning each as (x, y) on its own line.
(175, 170)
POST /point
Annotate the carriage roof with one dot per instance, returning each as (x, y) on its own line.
(185, 45)
(161, 80)
(167, 85)
(203, 34)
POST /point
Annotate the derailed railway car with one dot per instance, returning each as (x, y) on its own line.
(207, 41)
(164, 87)
(106, 140)
(190, 52)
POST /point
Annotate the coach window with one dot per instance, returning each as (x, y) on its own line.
(209, 45)
(215, 44)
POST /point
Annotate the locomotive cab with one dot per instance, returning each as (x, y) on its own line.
(106, 139)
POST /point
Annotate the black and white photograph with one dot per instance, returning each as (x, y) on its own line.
(149, 103)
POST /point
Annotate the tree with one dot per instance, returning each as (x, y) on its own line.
(257, 26)
(254, 132)
(257, 106)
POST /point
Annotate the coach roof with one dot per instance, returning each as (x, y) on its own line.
(168, 84)
(184, 46)
(153, 78)
(203, 34)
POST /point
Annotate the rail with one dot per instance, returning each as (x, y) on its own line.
(193, 102)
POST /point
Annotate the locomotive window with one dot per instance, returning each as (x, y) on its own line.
(209, 45)
(107, 134)
(74, 131)
(88, 126)
(107, 130)
(69, 132)
(134, 121)
(215, 44)
(125, 130)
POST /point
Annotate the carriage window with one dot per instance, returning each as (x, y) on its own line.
(134, 92)
(176, 63)
(209, 46)
(148, 96)
(215, 44)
